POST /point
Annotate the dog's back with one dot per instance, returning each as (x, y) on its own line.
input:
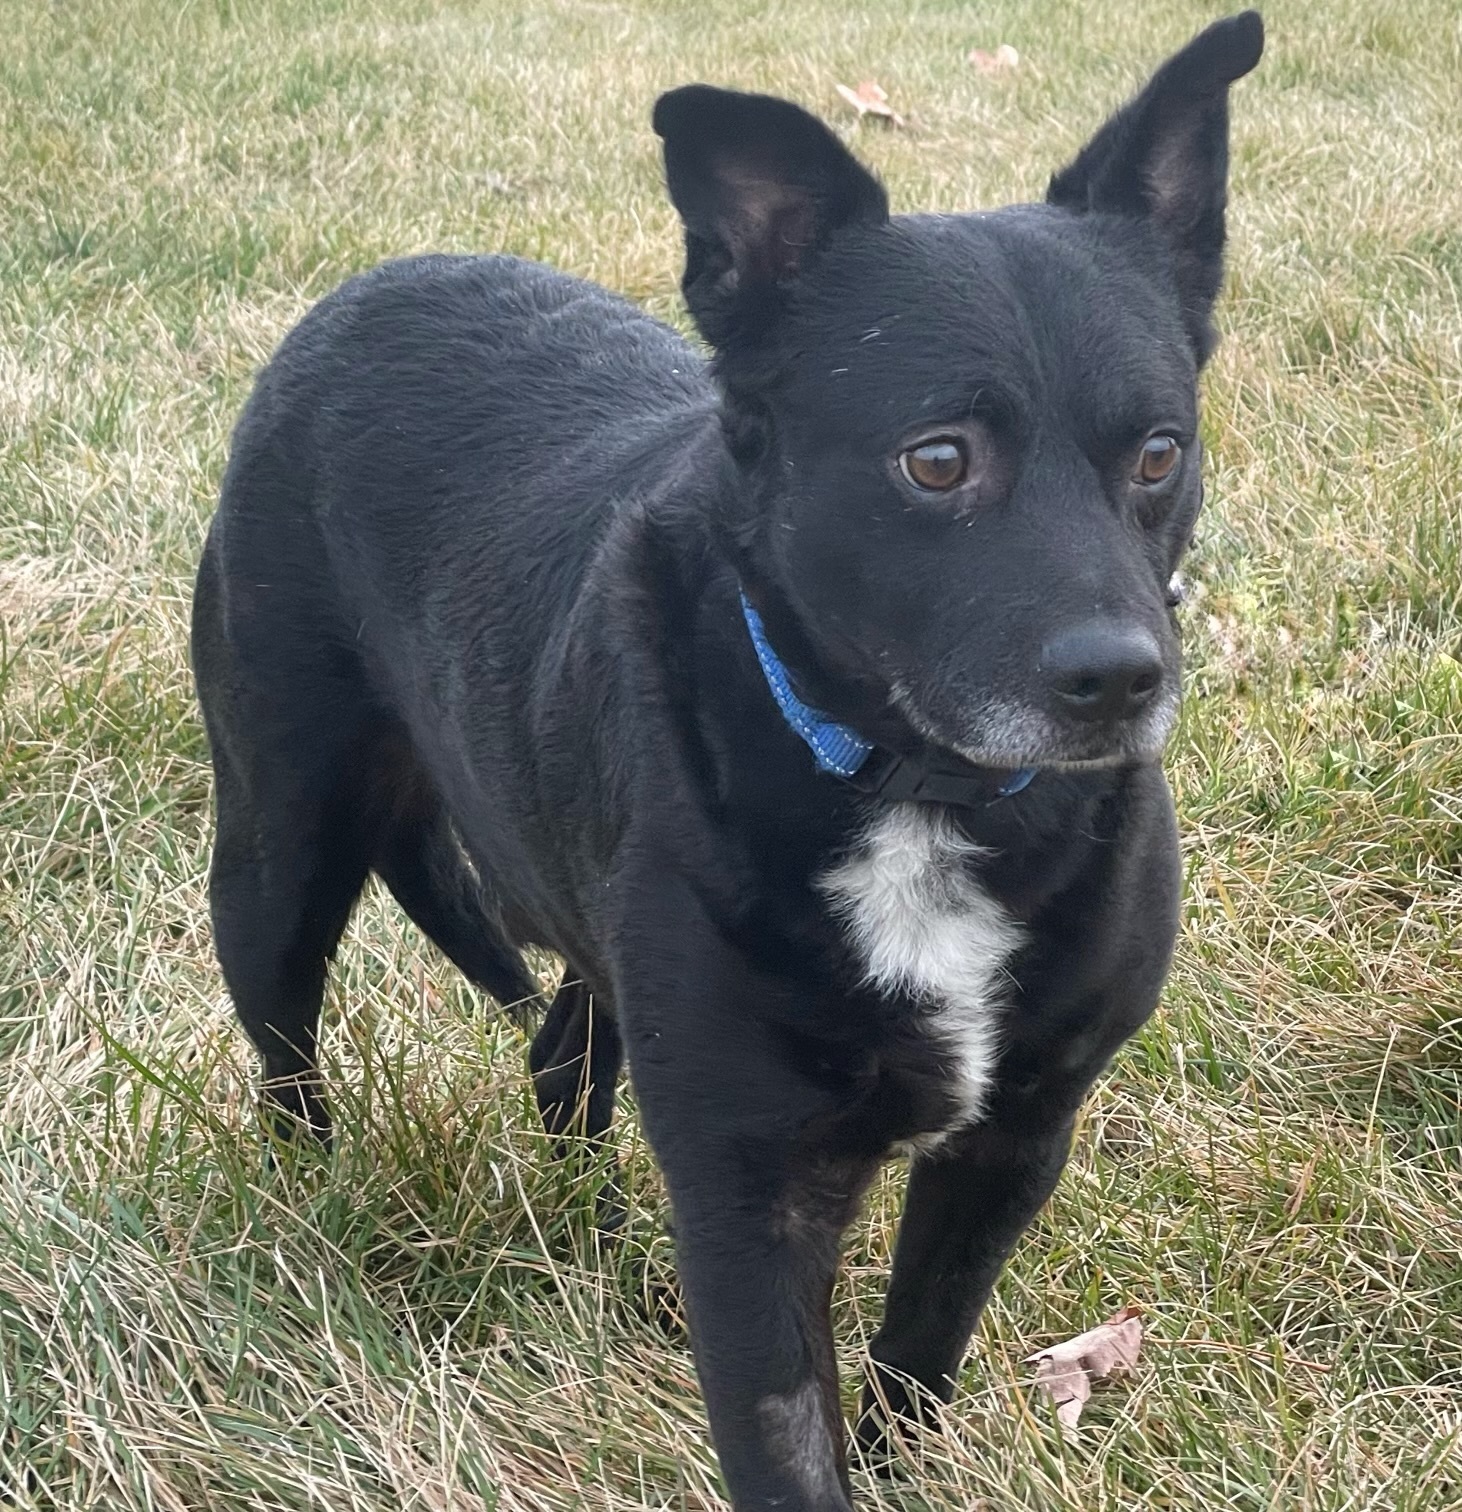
(417, 490)
(442, 413)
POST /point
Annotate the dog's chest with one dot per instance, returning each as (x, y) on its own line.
(920, 923)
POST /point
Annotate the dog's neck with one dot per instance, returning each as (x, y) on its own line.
(929, 775)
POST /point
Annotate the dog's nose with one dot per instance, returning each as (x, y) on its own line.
(1103, 672)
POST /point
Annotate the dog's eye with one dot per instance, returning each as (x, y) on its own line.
(935, 466)
(1157, 459)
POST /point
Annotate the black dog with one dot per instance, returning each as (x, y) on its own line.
(808, 705)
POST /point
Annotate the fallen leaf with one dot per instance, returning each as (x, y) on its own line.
(871, 99)
(1065, 1371)
(1002, 60)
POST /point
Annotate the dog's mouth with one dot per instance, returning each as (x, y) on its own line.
(1007, 735)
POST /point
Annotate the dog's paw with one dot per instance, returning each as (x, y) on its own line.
(610, 1211)
(893, 1416)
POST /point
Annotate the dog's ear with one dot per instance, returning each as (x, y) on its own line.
(760, 185)
(1164, 156)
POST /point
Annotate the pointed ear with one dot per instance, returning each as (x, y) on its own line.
(760, 185)
(1164, 156)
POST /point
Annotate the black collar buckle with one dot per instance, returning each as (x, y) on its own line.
(936, 777)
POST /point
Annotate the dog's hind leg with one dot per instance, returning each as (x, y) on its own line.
(575, 1061)
(290, 735)
(417, 856)
(286, 872)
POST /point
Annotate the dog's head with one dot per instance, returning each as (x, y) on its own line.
(967, 444)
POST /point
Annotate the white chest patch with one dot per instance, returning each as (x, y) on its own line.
(922, 924)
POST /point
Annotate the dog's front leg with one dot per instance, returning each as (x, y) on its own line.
(968, 1203)
(760, 1203)
(757, 1254)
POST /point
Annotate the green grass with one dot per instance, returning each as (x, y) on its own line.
(1272, 1168)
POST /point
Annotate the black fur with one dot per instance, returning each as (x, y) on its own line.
(468, 617)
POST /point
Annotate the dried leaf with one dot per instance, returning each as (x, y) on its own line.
(1065, 1371)
(870, 98)
(1003, 60)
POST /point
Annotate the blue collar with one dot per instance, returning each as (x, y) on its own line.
(836, 747)
(935, 777)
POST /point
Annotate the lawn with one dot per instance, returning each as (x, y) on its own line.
(428, 1321)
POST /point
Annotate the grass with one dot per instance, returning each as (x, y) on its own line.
(1272, 1168)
